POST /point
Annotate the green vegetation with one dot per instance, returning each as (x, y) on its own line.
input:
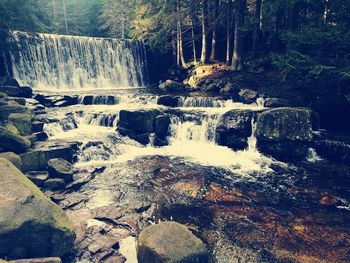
(311, 33)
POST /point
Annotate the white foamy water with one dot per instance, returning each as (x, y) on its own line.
(49, 61)
(128, 249)
(192, 135)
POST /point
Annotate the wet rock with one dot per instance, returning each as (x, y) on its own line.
(332, 150)
(333, 110)
(60, 168)
(25, 92)
(141, 138)
(37, 260)
(23, 122)
(68, 123)
(99, 100)
(41, 136)
(57, 100)
(37, 159)
(329, 200)
(285, 132)
(162, 126)
(20, 101)
(13, 107)
(25, 212)
(277, 103)
(12, 128)
(228, 88)
(172, 86)
(160, 142)
(37, 126)
(234, 128)
(11, 82)
(170, 242)
(248, 95)
(13, 158)
(13, 142)
(237, 121)
(169, 101)
(38, 177)
(140, 122)
(54, 184)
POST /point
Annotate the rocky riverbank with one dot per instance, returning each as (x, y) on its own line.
(274, 201)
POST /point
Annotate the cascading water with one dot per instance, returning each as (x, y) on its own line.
(46, 61)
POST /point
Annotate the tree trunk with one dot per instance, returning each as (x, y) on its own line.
(293, 17)
(193, 43)
(257, 32)
(123, 29)
(215, 20)
(237, 58)
(65, 15)
(228, 32)
(204, 56)
(54, 11)
(182, 57)
(177, 45)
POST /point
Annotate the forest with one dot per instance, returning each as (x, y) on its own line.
(174, 131)
(311, 31)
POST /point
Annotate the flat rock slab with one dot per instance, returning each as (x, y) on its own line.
(60, 168)
(37, 159)
(37, 260)
(170, 242)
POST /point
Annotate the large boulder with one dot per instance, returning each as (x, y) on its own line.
(13, 158)
(334, 150)
(162, 126)
(11, 82)
(99, 100)
(60, 168)
(248, 95)
(30, 224)
(25, 92)
(13, 107)
(234, 128)
(13, 142)
(333, 111)
(140, 121)
(37, 159)
(169, 101)
(285, 132)
(172, 86)
(170, 242)
(23, 122)
(57, 100)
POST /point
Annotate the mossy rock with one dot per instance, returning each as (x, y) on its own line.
(25, 212)
(281, 124)
(23, 122)
(12, 141)
(170, 242)
(13, 107)
(13, 158)
(11, 127)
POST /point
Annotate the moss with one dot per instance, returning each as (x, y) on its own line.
(58, 219)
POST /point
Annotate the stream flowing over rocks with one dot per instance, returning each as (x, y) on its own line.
(192, 176)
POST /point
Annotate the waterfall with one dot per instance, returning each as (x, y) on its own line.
(47, 61)
(199, 131)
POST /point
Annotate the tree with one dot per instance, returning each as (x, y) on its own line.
(237, 59)
(257, 28)
(204, 11)
(116, 18)
(215, 16)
